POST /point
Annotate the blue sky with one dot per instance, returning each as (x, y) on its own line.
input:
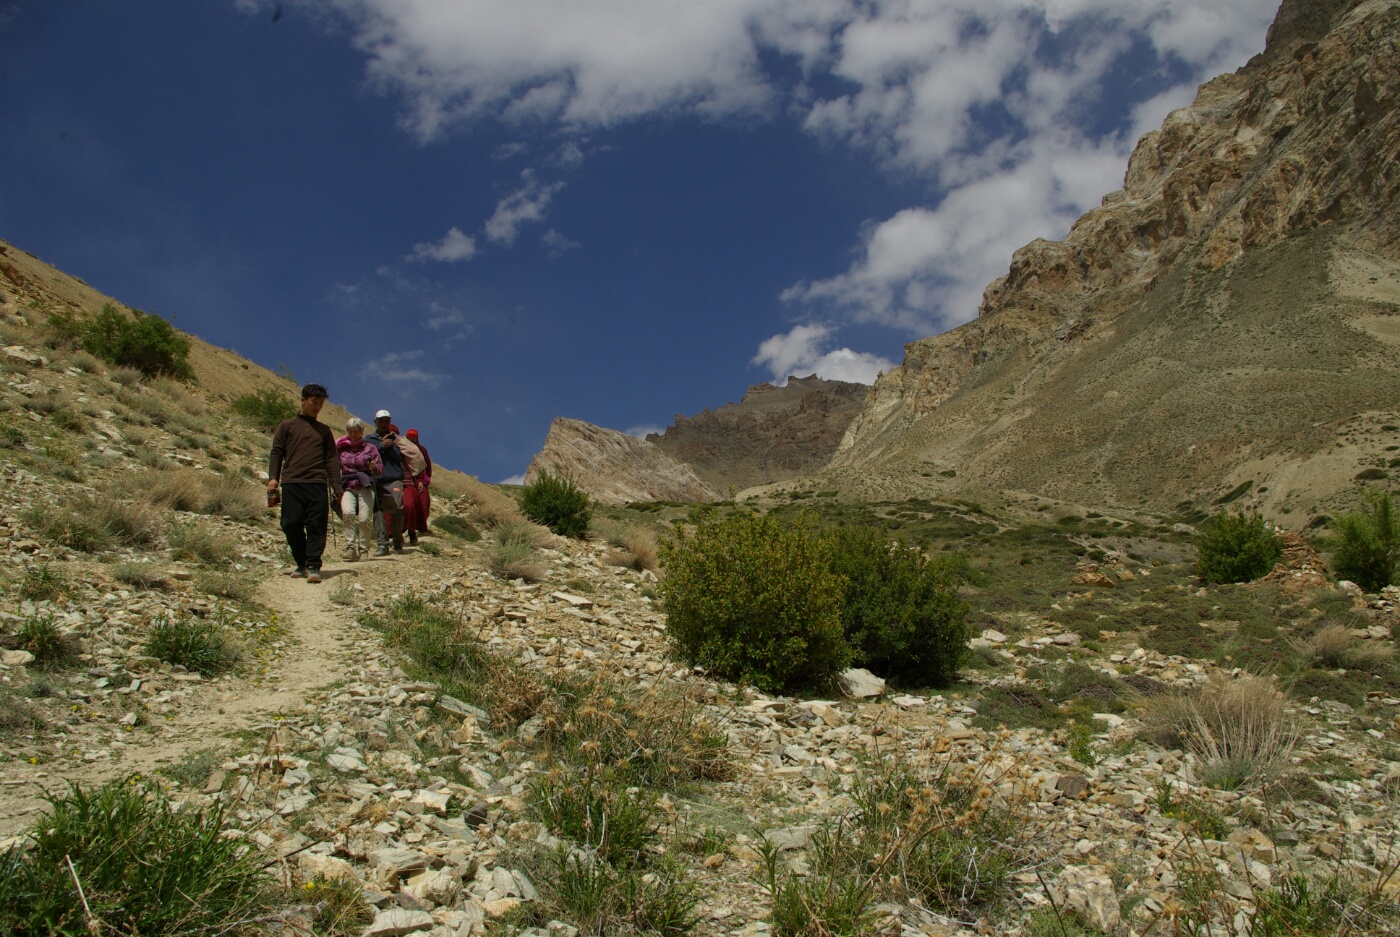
(483, 214)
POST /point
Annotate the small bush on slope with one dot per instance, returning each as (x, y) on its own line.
(1366, 544)
(1234, 547)
(900, 612)
(557, 503)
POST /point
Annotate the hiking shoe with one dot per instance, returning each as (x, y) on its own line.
(351, 554)
(413, 540)
(313, 576)
(298, 573)
(398, 544)
(382, 551)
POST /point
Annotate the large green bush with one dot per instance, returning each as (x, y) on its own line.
(901, 613)
(557, 503)
(1236, 547)
(265, 408)
(143, 341)
(1366, 544)
(755, 601)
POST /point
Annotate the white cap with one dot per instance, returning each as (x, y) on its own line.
(382, 414)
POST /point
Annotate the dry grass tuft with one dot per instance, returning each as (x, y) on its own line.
(1335, 647)
(637, 547)
(1239, 728)
(232, 497)
(516, 561)
(523, 532)
(175, 489)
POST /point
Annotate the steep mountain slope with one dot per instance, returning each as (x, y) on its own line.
(1231, 315)
(615, 468)
(772, 434)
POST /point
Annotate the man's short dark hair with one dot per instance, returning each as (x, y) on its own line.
(313, 390)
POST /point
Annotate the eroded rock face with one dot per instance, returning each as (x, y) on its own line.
(1153, 312)
(772, 434)
(616, 468)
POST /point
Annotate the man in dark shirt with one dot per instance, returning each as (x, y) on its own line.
(304, 463)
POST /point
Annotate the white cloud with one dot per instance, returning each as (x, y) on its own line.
(520, 207)
(513, 480)
(989, 101)
(798, 353)
(401, 367)
(642, 431)
(557, 243)
(453, 247)
(923, 270)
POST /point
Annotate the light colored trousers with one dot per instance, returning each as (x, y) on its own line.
(357, 507)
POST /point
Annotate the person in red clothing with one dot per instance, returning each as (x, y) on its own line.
(417, 502)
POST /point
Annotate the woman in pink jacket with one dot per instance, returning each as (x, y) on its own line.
(359, 464)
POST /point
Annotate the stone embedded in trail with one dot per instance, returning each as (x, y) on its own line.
(398, 921)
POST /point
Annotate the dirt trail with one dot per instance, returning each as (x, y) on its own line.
(319, 646)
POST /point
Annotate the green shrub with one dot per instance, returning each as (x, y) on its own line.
(457, 527)
(52, 649)
(265, 408)
(201, 646)
(143, 341)
(901, 613)
(755, 601)
(191, 541)
(41, 582)
(1236, 547)
(143, 869)
(1366, 544)
(556, 502)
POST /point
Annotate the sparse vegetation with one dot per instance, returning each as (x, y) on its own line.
(190, 540)
(1239, 728)
(53, 649)
(138, 575)
(265, 408)
(456, 527)
(202, 646)
(557, 503)
(43, 582)
(1236, 547)
(92, 524)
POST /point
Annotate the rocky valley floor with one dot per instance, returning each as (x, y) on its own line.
(1058, 800)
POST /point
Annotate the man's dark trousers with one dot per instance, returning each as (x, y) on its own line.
(305, 513)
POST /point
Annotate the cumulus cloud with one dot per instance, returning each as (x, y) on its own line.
(525, 205)
(453, 247)
(799, 352)
(1015, 113)
(513, 480)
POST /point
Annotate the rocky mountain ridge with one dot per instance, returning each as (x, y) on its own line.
(1228, 316)
(772, 434)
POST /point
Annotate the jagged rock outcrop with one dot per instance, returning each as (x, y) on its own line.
(772, 434)
(615, 468)
(1229, 314)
